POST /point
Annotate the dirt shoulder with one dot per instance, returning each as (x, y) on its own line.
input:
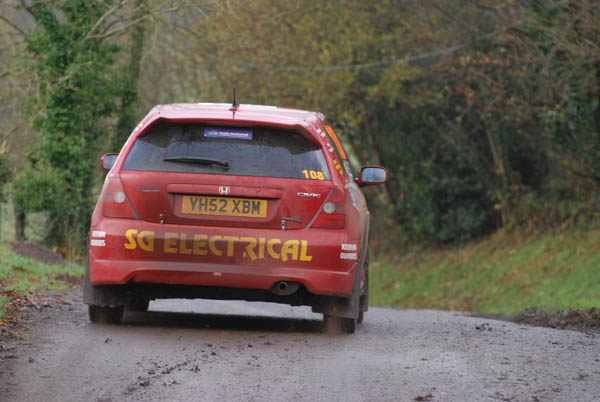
(576, 320)
(32, 285)
(36, 251)
(25, 312)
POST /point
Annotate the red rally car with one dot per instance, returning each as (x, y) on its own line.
(235, 202)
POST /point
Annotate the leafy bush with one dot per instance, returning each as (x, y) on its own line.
(77, 89)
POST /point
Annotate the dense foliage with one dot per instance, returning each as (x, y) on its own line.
(77, 89)
(493, 120)
(486, 113)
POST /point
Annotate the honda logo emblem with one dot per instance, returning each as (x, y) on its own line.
(224, 190)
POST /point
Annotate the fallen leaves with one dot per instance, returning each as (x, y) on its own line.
(17, 306)
(20, 269)
(25, 289)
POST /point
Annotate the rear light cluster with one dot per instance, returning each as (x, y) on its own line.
(115, 203)
(332, 213)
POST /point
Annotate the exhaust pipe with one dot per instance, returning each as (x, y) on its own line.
(283, 288)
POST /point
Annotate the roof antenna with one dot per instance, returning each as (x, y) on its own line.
(235, 104)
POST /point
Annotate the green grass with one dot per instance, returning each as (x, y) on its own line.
(3, 302)
(505, 273)
(21, 276)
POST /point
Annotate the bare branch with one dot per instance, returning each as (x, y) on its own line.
(9, 23)
(116, 30)
(127, 26)
(27, 8)
(105, 16)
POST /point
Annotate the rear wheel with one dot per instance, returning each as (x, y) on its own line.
(349, 325)
(106, 314)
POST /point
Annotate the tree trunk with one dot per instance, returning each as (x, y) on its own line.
(501, 172)
(19, 224)
(389, 196)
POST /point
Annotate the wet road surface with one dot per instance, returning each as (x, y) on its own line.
(203, 350)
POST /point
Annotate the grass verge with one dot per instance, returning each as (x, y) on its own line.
(506, 273)
(24, 281)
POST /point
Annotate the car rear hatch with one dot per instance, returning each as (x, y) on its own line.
(207, 175)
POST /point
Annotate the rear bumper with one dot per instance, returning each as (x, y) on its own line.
(124, 251)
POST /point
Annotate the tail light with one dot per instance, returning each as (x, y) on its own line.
(115, 203)
(332, 214)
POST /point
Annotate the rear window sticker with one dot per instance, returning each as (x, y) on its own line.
(231, 133)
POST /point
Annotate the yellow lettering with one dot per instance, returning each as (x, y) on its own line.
(290, 247)
(230, 242)
(261, 247)
(146, 240)
(250, 246)
(171, 243)
(129, 234)
(212, 247)
(270, 250)
(200, 244)
(304, 250)
(182, 248)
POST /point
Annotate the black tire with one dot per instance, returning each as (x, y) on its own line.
(349, 325)
(333, 324)
(139, 305)
(105, 314)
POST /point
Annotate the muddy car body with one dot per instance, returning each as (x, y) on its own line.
(223, 201)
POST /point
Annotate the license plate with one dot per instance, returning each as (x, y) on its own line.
(220, 206)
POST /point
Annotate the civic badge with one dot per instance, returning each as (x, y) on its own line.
(309, 195)
(224, 190)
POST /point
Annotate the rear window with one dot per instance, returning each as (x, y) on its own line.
(240, 151)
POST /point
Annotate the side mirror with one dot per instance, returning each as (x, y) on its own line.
(372, 175)
(108, 161)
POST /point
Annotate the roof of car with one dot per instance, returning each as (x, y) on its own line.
(258, 113)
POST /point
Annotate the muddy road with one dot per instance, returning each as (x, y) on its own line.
(235, 351)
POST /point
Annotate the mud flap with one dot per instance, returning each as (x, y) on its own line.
(339, 306)
(103, 295)
(364, 298)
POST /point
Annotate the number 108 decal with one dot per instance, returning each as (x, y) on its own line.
(313, 174)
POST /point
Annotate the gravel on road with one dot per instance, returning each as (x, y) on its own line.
(200, 350)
